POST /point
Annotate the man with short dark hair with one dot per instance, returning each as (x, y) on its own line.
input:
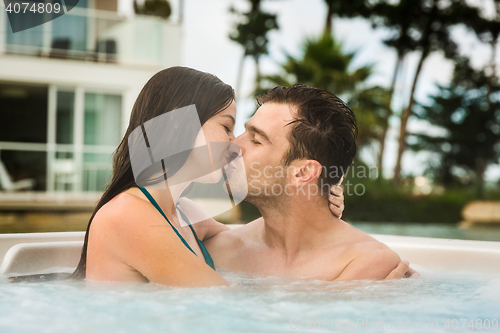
(300, 141)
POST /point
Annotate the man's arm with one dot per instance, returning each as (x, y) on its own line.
(204, 225)
(402, 271)
(376, 264)
(209, 228)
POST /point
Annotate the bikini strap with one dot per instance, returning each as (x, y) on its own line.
(153, 201)
(206, 254)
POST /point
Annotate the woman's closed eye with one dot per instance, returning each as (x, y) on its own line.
(228, 130)
(255, 142)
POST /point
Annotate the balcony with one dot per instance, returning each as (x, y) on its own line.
(97, 36)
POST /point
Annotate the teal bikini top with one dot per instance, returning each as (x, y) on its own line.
(208, 258)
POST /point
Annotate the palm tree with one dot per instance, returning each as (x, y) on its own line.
(397, 17)
(472, 130)
(344, 8)
(251, 33)
(325, 65)
(432, 20)
(488, 31)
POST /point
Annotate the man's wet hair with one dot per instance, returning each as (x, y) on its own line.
(324, 128)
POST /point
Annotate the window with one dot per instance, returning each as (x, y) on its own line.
(102, 119)
(65, 109)
(60, 137)
(23, 134)
(23, 113)
(102, 128)
(67, 32)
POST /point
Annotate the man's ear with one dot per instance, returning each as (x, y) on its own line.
(304, 172)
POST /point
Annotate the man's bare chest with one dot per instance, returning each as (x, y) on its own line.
(322, 265)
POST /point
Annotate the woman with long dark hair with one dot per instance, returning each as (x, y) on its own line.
(127, 239)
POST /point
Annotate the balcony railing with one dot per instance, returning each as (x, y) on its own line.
(97, 36)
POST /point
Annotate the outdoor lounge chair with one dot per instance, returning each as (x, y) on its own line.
(7, 184)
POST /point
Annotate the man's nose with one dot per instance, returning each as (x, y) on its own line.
(238, 141)
(233, 151)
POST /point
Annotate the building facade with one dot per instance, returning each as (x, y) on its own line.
(67, 88)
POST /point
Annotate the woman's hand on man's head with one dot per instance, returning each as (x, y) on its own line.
(336, 200)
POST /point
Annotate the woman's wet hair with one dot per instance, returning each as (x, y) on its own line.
(169, 89)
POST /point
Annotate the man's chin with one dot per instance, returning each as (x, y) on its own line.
(236, 189)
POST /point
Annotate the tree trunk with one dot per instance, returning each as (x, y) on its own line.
(480, 169)
(385, 128)
(239, 77)
(481, 162)
(329, 20)
(493, 63)
(255, 5)
(257, 74)
(404, 119)
(406, 114)
(181, 11)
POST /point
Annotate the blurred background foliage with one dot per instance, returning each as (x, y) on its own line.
(159, 8)
(466, 111)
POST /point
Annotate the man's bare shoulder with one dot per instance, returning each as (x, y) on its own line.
(363, 256)
(371, 248)
(366, 257)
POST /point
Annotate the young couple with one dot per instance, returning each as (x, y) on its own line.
(141, 231)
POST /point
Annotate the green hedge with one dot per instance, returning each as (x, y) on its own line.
(384, 202)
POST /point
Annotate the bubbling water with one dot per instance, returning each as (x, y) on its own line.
(252, 304)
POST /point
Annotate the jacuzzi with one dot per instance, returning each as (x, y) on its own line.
(33, 252)
(459, 290)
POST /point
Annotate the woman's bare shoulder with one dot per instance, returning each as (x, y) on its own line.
(126, 215)
(124, 208)
(137, 235)
(126, 223)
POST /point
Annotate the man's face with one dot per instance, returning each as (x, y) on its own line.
(263, 145)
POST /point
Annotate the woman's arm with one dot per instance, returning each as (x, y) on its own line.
(211, 228)
(204, 225)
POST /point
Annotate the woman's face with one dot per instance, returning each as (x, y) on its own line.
(215, 134)
(220, 127)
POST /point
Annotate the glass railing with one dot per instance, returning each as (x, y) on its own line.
(97, 36)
